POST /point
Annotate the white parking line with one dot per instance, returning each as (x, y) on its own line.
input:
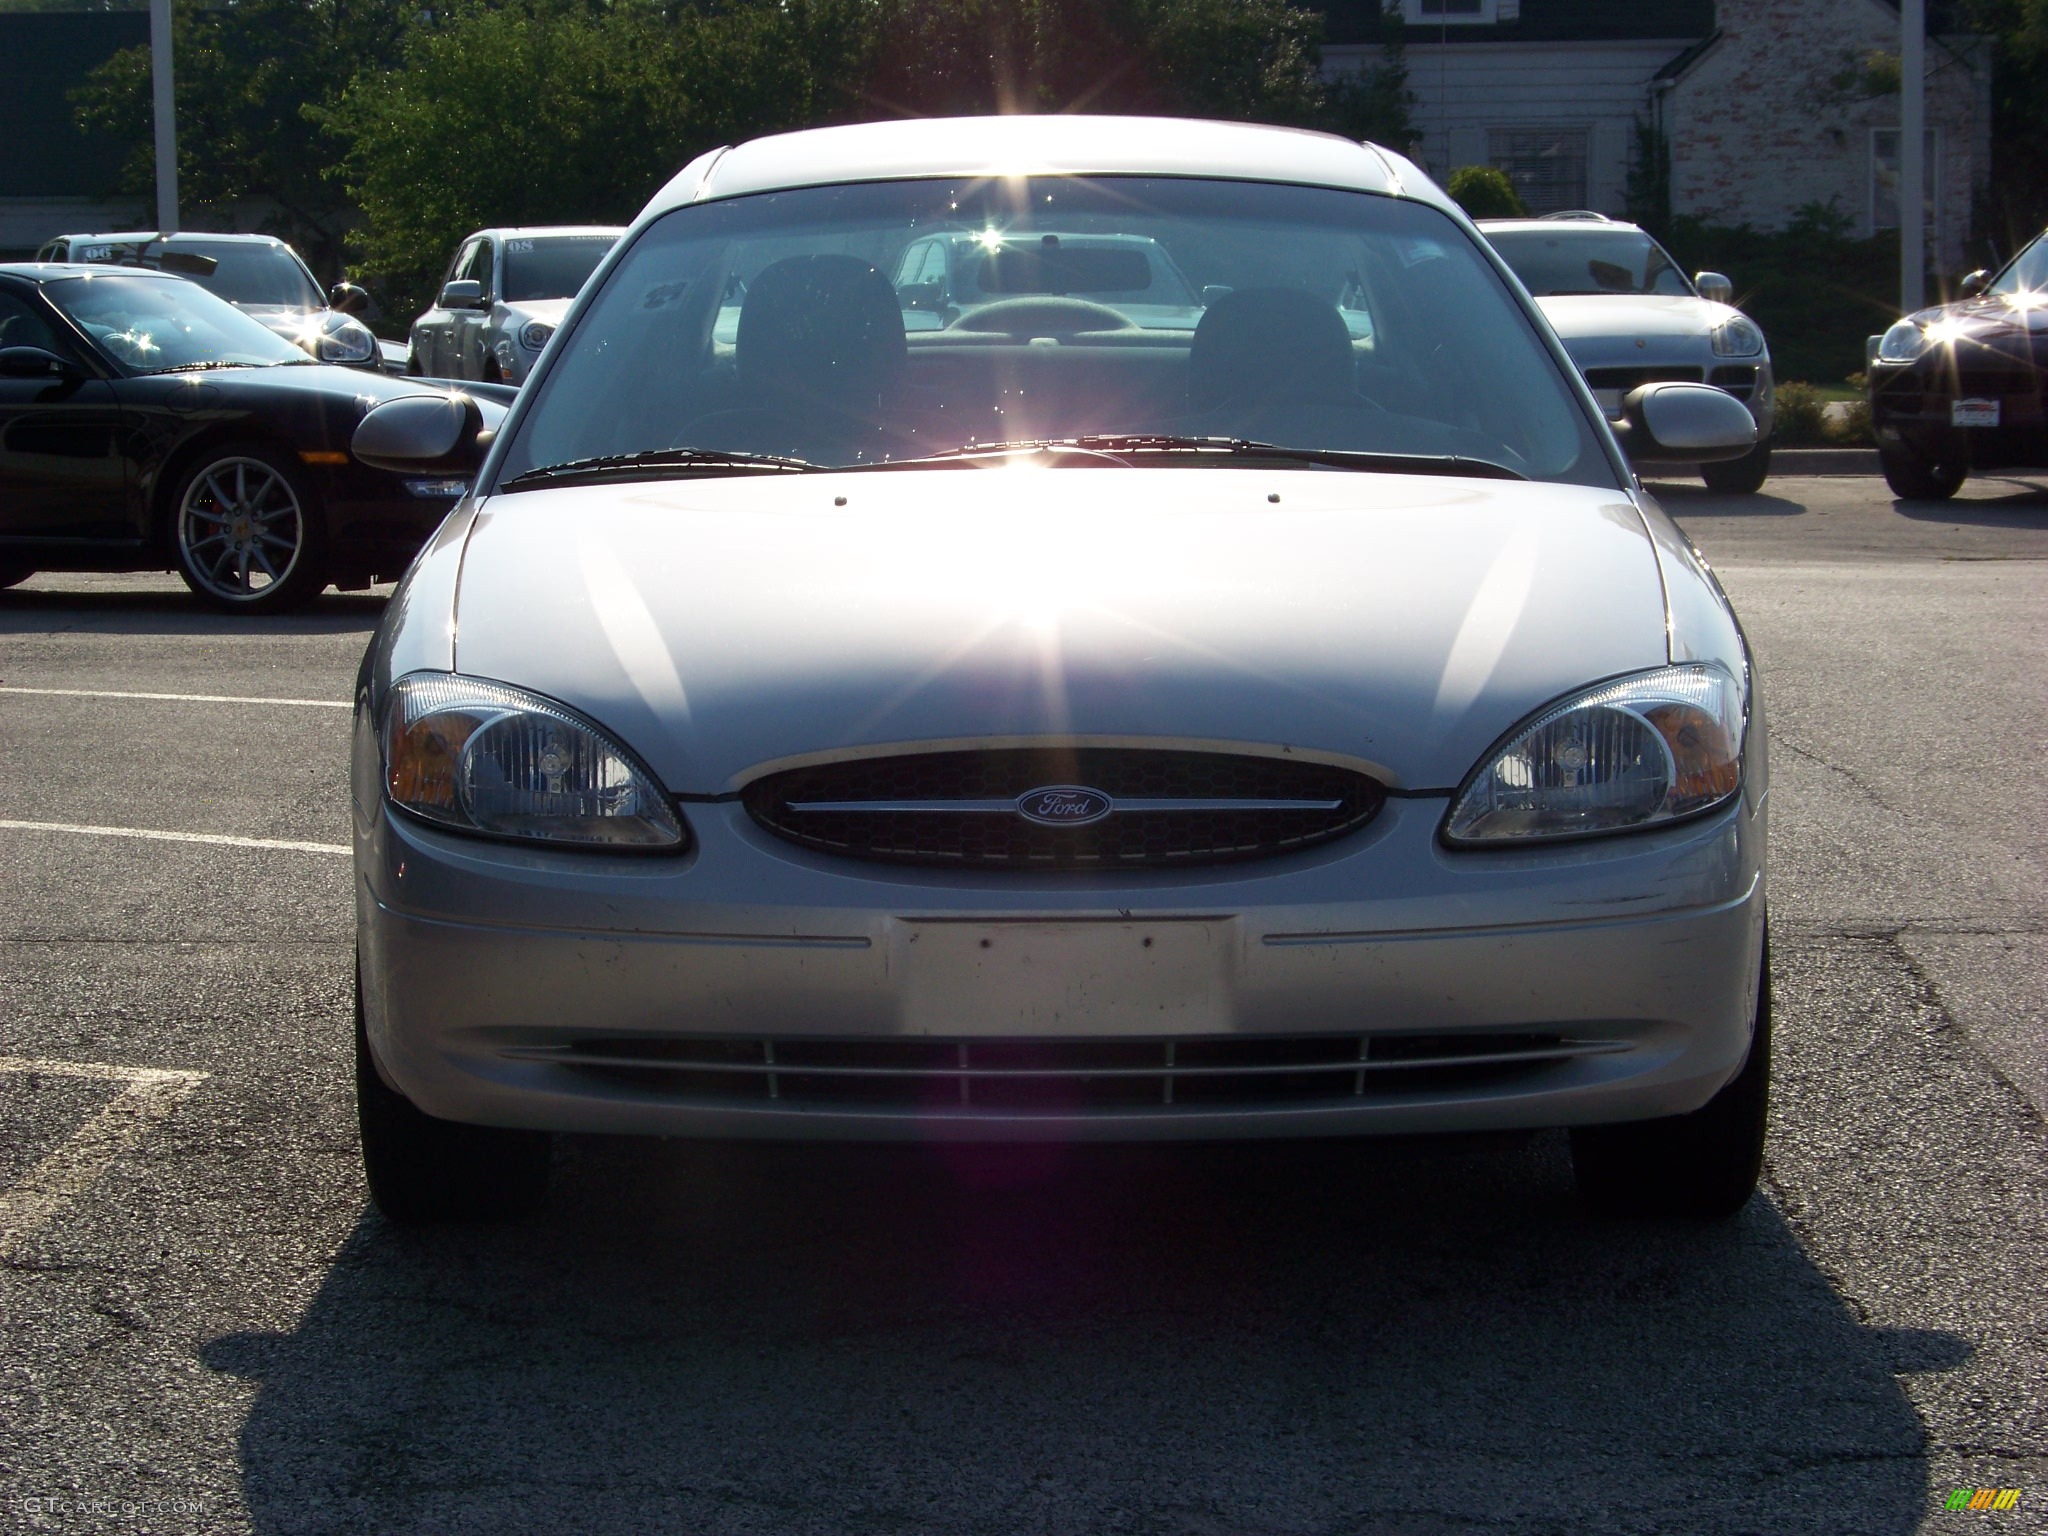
(178, 698)
(218, 839)
(70, 1170)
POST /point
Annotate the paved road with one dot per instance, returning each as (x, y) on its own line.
(203, 1329)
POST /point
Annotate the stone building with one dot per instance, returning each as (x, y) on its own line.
(1764, 106)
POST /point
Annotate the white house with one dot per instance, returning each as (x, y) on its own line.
(1766, 105)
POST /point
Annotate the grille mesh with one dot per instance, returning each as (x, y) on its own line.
(1057, 1076)
(1125, 839)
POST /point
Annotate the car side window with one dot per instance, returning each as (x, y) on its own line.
(21, 326)
(459, 261)
(913, 262)
(479, 268)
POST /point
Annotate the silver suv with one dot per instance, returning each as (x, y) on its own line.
(1629, 316)
(505, 292)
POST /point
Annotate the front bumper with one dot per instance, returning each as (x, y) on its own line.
(486, 968)
(1914, 405)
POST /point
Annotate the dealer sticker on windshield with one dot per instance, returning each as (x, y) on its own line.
(1973, 413)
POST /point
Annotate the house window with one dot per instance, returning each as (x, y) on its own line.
(1884, 177)
(1458, 13)
(1547, 165)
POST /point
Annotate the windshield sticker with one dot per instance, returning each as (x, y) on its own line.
(518, 247)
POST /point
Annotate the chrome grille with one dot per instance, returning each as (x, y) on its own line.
(1073, 1075)
(977, 809)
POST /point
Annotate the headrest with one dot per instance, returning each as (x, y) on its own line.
(1269, 343)
(828, 326)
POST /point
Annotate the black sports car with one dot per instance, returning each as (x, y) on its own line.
(146, 424)
(1957, 388)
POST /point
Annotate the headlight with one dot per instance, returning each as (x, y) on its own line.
(1639, 752)
(534, 334)
(349, 341)
(1902, 343)
(482, 757)
(1737, 336)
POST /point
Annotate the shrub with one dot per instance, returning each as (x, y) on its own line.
(1799, 415)
(1486, 193)
(1850, 426)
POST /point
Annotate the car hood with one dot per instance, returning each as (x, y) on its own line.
(1616, 330)
(1991, 318)
(549, 311)
(357, 389)
(720, 627)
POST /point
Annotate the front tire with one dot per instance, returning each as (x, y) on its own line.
(1914, 477)
(1703, 1166)
(1739, 477)
(246, 530)
(424, 1171)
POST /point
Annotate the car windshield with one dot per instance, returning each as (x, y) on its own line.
(2029, 271)
(785, 324)
(245, 272)
(552, 267)
(1588, 261)
(162, 324)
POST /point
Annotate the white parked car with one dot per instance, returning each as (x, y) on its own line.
(258, 274)
(1629, 316)
(506, 291)
(1059, 726)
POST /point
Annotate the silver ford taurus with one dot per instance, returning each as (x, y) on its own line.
(1049, 723)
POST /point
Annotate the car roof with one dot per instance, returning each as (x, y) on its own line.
(1560, 226)
(1050, 145)
(138, 236)
(542, 231)
(48, 271)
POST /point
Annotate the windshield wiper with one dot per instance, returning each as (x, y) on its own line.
(1116, 445)
(656, 464)
(215, 363)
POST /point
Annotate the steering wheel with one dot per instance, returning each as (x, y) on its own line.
(1043, 315)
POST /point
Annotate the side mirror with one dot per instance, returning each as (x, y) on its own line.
(931, 296)
(1211, 292)
(1715, 286)
(1974, 284)
(428, 434)
(35, 363)
(1684, 424)
(463, 293)
(348, 299)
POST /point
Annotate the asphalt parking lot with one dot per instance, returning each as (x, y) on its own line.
(204, 1328)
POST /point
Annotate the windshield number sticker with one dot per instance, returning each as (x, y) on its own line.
(518, 247)
(94, 252)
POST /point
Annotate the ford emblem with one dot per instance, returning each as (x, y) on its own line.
(1064, 805)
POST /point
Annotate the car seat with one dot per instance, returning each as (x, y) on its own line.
(1276, 364)
(818, 352)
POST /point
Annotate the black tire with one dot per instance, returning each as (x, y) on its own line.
(423, 1171)
(1739, 477)
(1914, 477)
(13, 573)
(1703, 1166)
(247, 531)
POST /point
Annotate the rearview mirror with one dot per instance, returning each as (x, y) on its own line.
(1974, 284)
(185, 263)
(463, 293)
(348, 299)
(1684, 424)
(428, 434)
(1715, 286)
(34, 363)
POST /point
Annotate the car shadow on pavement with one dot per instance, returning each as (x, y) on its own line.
(1688, 500)
(42, 611)
(2021, 505)
(1402, 1337)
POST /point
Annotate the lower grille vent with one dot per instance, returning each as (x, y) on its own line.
(1069, 1076)
(1085, 808)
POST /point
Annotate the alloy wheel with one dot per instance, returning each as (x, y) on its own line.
(241, 529)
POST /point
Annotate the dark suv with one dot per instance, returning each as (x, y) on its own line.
(1956, 389)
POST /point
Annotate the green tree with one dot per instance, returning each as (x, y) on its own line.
(1374, 102)
(245, 74)
(1485, 192)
